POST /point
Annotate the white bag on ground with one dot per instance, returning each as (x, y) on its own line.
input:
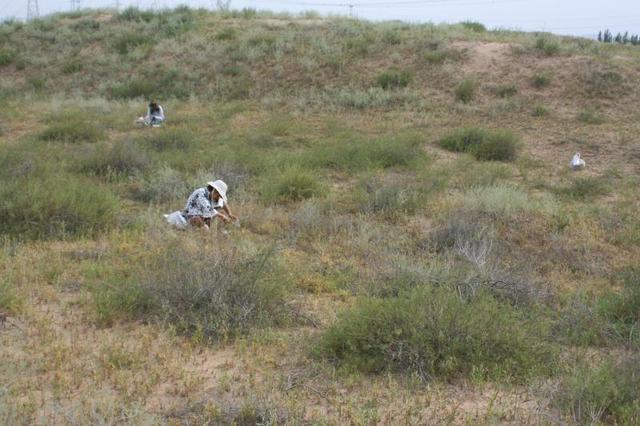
(577, 163)
(176, 219)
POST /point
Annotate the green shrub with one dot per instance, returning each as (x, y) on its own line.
(37, 83)
(126, 42)
(291, 184)
(541, 80)
(163, 185)
(608, 394)
(7, 56)
(393, 79)
(389, 201)
(500, 145)
(72, 129)
(547, 46)
(122, 158)
(226, 33)
(133, 14)
(466, 90)
(56, 207)
(476, 27)
(430, 331)
(540, 111)
(436, 57)
(209, 295)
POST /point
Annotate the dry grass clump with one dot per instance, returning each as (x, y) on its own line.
(209, 294)
(466, 90)
(123, 157)
(507, 200)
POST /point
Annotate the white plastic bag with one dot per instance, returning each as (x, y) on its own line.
(577, 163)
(176, 219)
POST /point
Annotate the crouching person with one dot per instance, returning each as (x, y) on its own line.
(207, 203)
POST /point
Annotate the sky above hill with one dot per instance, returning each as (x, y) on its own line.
(576, 17)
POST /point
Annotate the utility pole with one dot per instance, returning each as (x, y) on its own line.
(350, 10)
(75, 5)
(33, 11)
(117, 4)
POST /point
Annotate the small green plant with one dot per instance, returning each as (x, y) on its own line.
(436, 57)
(540, 111)
(466, 90)
(126, 42)
(393, 79)
(586, 187)
(498, 145)
(37, 83)
(73, 66)
(541, 80)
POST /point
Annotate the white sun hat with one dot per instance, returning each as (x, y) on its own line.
(219, 186)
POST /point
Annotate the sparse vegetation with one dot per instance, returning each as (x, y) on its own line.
(372, 277)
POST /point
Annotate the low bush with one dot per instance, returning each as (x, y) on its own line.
(393, 79)
(541, 80)
(291, 184)
(621, 310)
(163, 185)
(466, 90)
(389, 201)
(58, 207)
(540, 111)
(7, 56)
(500, 145)
(140, 88)
(476, 27)
(430, 331)
(121, 158)
(608, 394)
(208, 294)
(505, 200)
(547, 46)
(127, 41)
(73, 130)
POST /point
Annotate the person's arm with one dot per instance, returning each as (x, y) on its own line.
(161, 111)
(226, 209)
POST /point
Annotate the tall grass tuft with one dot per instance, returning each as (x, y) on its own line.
(291, 184)
(497, 145)
(393, 79)
(72, 130)
(466, 90)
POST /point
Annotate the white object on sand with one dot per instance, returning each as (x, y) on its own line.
(176, 219)
(577, 162)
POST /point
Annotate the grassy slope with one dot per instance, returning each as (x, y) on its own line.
(256, 100)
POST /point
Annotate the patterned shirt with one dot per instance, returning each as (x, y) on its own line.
(199, 204)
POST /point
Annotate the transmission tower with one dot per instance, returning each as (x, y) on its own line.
(75, 5)
(33, 11)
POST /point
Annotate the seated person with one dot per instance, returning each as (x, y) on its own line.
(155, 114)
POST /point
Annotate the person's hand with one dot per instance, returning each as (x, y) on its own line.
(233, 216)
(224, 217)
